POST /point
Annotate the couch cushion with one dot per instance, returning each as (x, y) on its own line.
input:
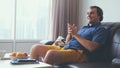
(116, 44)
(110, 50)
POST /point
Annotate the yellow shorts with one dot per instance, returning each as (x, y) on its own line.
(69, 55)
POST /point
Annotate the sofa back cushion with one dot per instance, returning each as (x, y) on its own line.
(113, 47)
(116, 44)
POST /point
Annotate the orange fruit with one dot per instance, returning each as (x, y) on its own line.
(19, 54)
(13, 54)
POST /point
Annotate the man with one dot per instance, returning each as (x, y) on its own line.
(84, 45)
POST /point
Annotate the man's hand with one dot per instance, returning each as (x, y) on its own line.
(72, 29)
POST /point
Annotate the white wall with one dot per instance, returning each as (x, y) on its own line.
(110, 8)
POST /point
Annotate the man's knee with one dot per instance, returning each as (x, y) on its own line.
(51, 53)
(52, 56)
(36, 46)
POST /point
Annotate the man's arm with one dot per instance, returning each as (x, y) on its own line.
(68, 38)
(91, 46)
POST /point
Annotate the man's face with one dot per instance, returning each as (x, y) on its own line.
(92, 15)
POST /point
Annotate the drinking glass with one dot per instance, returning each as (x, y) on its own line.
(2, 53)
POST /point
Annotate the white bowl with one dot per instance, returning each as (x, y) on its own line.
(13, 58)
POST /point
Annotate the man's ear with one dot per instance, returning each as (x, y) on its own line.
(99, 17)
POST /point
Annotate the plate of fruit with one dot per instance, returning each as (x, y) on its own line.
(18, 55)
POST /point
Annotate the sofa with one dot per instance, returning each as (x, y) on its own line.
(111, 51)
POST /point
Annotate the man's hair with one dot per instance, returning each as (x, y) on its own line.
(99, 12)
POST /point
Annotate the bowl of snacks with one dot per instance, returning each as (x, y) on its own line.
(18, 55)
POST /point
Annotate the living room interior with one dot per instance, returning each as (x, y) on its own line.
(18, 15)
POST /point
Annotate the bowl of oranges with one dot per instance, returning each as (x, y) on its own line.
(18, 55)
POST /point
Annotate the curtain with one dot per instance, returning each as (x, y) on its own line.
(25, 20)
(63, 12)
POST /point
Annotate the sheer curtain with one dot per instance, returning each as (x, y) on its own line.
(6, 19)
(63, 12)
(32, 19)
(29, 19)
(25, 19)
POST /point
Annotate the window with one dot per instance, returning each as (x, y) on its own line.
(24, 19)
(6, 19)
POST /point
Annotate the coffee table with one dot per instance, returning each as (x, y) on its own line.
(5, 63)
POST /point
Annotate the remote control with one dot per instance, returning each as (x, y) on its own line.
(26, 60)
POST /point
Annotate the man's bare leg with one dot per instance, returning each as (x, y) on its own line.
(37, 51)
(63, 56)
